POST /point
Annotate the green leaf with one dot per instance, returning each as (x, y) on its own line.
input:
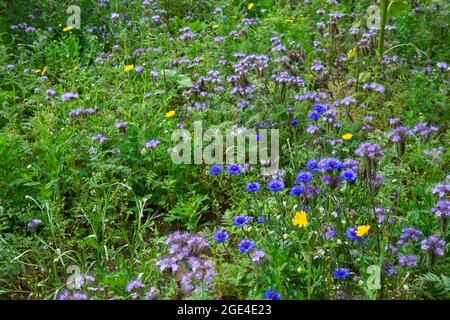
(364, 76)
(92, 242)
(184, 82)
(396, 7)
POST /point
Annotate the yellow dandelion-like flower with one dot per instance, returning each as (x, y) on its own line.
(128, 68)
(351, 53)
(68, 28)
(300, 219)
(170, 114)
(289, 20)
(250, 6)
(347, 136)
(361, 231)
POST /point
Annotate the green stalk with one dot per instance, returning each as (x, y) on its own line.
(384, 11)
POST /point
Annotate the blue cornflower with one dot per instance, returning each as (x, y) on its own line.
(330, 164)
(246, 245)
(341, 273)
(252, 187)
(261, 220)
(297, 190)
(215, 169)
(313, 116)
(221, 236)
(241, 221)
(234, 168)
(318, 108)
(312, 165)
(349, 175)
(294, 122)
(303, 177)
(272, 294)
(275, 185)
(351, 234)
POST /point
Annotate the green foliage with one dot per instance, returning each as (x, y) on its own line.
(109, 207)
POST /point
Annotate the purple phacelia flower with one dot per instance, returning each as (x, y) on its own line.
(98, 138)
(67, 96)
(369, 150)
(433, 245)
(151, 144)
(134, 285)
(442, 209)
(408, 261)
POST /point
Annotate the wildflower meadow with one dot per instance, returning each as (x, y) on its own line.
(224, 150)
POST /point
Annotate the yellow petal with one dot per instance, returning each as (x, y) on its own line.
(351, 53)
(170, 114)
(128, 68)
(347, 136)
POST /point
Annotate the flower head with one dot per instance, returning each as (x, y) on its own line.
(369, 150)
(348, 175)
(151, 144)
(34, 223)
(241, 221)
(215, 169)
(347, 136)
(300, 219)
(303, 177)
(252, 187)
(363, 230)
(169, 114)
(433, 245)
(351, 234)
(408, 261)
(221, 236)
(272, 294)
(442, 209)
(312, 165)
(258, 256)
(134, 285)
(297, 190)
(246, 245)
(99, 138)
(128, 68)
(234, 169)
(341, 273)
(275, 185)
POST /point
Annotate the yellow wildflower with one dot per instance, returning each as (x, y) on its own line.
(351, 53)
(128, 68)
(289, 20)
(68, 28)
(250, 6)
(170, 114)
(347, 136)
(361, 231)
(300, 219)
